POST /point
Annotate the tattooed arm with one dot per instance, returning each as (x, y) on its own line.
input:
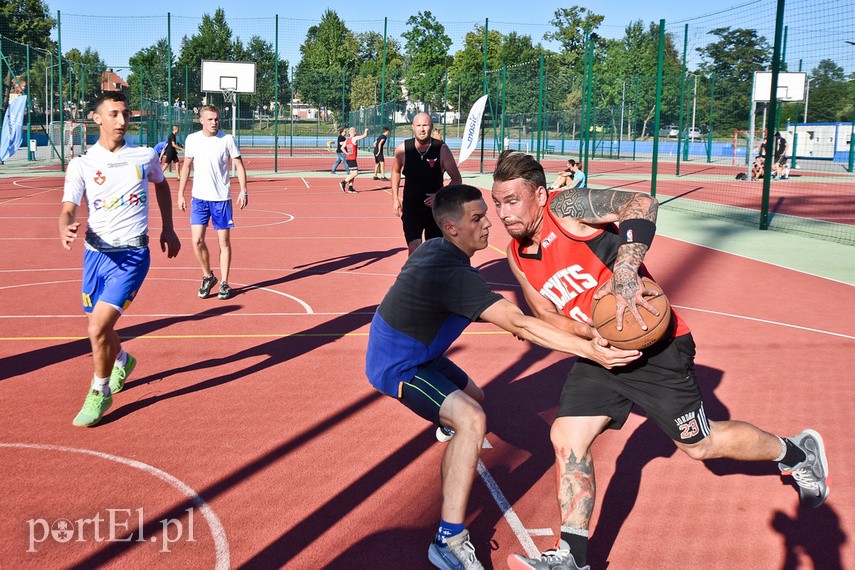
(593, 206)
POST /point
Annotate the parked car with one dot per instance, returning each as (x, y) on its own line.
(694, 134)
(671, 131)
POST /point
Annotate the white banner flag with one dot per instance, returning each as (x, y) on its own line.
(473, 125)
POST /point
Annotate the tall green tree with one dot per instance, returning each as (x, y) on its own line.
(830, 93)
(81, 81)
(329, 55)
(261, 52)
(24, 22)
(213, 41)
(734, 58)
(427, 58)
(148, 73)
(366, 89)
(570, 25)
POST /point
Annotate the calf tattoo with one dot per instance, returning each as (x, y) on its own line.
(576, 490)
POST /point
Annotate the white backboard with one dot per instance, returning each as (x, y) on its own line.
(791, 86)
(236, 76)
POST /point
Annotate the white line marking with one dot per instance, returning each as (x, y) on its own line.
(508, 511)
(541, 532)
(304, 181)
(768, 322)
(217, 531)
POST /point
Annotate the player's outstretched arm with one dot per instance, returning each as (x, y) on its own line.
(508, 316)
(169, 241)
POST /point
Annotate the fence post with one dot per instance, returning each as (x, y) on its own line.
(276, 102)
(682, 96)
(658, 105)
(710, 133)
(772, 118)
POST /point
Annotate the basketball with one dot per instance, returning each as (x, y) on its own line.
(633, 337)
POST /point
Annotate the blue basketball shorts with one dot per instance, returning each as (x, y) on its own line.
(113, 277)
(219, 213)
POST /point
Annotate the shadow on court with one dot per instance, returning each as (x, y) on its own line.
(33, 360)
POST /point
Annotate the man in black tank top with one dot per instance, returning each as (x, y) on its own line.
(424, 161)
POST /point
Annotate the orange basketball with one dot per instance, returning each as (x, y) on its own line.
(633, 337)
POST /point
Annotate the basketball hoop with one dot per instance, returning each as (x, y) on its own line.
(229, 96)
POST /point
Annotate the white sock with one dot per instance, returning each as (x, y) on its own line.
(121, 358)
(102, 385)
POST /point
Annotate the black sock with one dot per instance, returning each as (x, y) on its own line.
(794, 454)
(578, 546)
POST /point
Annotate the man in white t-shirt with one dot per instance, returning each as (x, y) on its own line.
(210, 150)
(113, 177)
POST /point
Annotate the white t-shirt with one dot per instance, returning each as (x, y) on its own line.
(211, 164)
(115, 185)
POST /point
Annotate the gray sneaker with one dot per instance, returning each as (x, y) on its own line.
(225, 291)
(810, 474)
(207, 284)
(457, 554)
(558, 558)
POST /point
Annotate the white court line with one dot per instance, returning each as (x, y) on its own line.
(304, 181)
(508, 512)
(217, 531)
(765, 321)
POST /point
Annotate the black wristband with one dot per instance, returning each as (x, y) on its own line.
(637, 230)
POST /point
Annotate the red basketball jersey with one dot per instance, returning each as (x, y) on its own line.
(567, 269)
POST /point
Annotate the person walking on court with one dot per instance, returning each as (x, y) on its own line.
(170, 151)
(210, 150)
(569, 239)
(113, 177)
(379, 159)
(339, 152)
(424, 161)
(434, 298)
(351, 148)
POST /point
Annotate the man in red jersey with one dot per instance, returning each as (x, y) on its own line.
(566, 251)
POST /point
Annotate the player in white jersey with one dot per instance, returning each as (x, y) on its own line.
(113, 177)
(210, 150)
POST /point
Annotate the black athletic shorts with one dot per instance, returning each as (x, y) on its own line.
(425, 392)
(378, 158)
(662, 382)
(417, 219)
(351, 162)
(170, 155)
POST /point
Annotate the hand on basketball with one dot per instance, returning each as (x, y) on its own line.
(629, 291)
(609, 357)
(69, 234)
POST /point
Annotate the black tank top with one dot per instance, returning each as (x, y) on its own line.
(423, 171)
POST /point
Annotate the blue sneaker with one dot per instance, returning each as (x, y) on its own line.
(457, 554)
(120, 374)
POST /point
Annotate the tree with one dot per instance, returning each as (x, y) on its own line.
(570, 24)
(25, 22)
(830, 94)
(427, 58)
(212, 42)
(329, 56)
(367, 87)
(734, 59)
(81, 81)
(261, 52)
(148, 75)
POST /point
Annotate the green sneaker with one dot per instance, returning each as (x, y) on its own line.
(93, 408)
(120, 374)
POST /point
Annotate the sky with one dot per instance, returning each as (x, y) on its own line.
(502, 14)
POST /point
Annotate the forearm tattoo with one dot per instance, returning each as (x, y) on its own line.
(576, 490)
(599, 206)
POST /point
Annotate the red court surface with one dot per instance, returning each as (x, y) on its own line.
(249, 437)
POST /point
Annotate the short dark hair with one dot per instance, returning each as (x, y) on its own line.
(107, 96)
(513, 165)
(448, 202)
